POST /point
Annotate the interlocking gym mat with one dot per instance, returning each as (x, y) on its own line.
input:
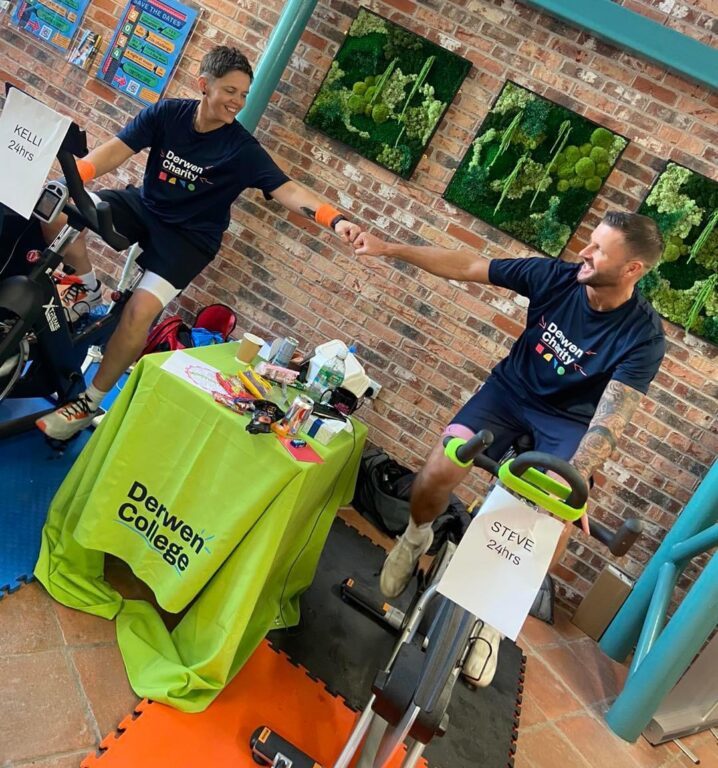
(268, 690)
(344, 649)
(31, 473)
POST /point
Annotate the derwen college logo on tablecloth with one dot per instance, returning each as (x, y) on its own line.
(158, 527)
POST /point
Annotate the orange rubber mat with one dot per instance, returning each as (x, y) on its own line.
(269, 690)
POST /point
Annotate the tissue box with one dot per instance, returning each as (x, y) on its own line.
(323, 430)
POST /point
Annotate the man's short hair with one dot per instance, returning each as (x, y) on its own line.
(223, 59)
(641, 235)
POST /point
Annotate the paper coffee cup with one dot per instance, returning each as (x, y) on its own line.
(249, 347)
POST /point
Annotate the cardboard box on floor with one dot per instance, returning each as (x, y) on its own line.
(602, 601)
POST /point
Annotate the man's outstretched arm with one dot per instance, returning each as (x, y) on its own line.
(461, 264)
(613, 413)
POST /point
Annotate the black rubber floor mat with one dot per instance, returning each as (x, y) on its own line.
(344, 648)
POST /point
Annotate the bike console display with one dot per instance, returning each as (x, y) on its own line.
(51, 202)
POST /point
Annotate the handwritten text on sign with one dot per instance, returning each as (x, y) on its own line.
(501, 561)
(30, 135)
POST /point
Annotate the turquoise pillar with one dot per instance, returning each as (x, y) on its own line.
(700, 513)
(663, 653)
(674, 649)
(280, 46)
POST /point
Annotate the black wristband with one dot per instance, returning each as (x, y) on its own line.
(336, 220)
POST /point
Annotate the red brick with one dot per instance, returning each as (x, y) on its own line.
(466, 236)
(403, 5)
(508, 326)
(666, 95)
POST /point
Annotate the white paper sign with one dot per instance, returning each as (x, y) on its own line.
(502, 559)
(191, 370)
(30, 135)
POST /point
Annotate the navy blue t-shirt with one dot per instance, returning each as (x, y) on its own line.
(569, 352)
(192, 178)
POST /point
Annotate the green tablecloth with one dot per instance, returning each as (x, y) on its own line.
(206, 514)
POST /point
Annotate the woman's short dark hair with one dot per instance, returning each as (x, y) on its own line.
(223, 59)
(640, 233)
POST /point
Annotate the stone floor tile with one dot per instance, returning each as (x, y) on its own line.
(612, 674)
(27, 623)
(705, 747)
(531, 713)
(41, 709)
(104, 680)
(547, 747)
(80, 628)
(589, 679)
(72, 760)
(539, 634)
(600, 747)
(545, 687)
(642, 751)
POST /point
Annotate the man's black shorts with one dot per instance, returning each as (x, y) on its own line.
(166, 250)
(508, 417)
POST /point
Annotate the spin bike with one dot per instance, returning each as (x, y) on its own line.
(43, 354)
(410, 696)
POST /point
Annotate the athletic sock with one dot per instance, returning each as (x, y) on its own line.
(416, 534)
(90, 280)
(95, 396)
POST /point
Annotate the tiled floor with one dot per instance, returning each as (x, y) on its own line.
(63, 688)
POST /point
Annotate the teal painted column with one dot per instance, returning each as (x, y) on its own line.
(670, 656)
(699, 514)
(280, 46)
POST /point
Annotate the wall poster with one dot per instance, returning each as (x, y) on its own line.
(146, 46)
(54, 21)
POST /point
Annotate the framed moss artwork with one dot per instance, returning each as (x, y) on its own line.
(684, 286)
(386, 92)
(534, 169)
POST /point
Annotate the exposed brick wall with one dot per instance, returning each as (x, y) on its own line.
(428, 341)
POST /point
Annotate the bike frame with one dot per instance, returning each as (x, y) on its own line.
(50, 352)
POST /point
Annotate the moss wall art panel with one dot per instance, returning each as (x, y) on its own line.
(534, 169)
(684, 286)
(386, 91)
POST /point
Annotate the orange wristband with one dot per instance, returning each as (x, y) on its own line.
(86, 169)
(325, 215)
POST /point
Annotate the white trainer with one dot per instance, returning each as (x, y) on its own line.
(76, 297)
(480, 665)
(400, 563)
(66, 421)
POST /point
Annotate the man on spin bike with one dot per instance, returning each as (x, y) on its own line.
(572, 380)
(200, 160)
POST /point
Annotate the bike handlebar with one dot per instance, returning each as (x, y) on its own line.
(526, 464)
(98, 217)
(617, 542)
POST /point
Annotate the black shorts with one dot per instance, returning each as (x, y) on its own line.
(496, 408)
(166, 251)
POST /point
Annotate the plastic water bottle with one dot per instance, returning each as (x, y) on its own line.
(330, 375)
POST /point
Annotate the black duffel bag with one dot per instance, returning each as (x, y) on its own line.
(382, 496)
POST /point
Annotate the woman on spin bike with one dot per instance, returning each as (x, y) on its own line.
(200, 160)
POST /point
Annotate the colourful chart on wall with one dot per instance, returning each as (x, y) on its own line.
(54, 21)
(145, 47)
